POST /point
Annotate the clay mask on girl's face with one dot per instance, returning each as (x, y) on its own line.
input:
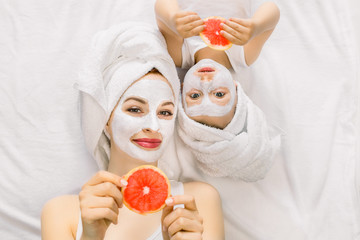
(129, 121)
(208, 90)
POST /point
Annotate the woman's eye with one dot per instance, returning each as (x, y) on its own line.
(219, 94)
(165, 113)
(134, 110)
(195, 95)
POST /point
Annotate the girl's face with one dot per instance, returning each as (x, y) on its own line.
(209, 93)
(143, 121)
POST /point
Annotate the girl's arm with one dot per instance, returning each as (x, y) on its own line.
(201, 217)
(175, 25)
(253, 32)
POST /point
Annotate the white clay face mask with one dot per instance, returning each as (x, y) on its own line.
(222, 78)
(124, 126)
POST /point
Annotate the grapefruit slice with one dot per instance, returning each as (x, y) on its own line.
(147, 189)
(211, 34)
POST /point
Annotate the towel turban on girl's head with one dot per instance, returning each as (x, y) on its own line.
(118, 57)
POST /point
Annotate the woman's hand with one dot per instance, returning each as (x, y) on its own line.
(187, 24)
(100, 200)
(181, 223)
(239, 31)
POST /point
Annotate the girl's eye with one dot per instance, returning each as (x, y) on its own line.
(219, 94)
(195, 95)
(134, 110)
(165, 113)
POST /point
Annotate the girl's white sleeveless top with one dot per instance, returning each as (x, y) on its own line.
(177, 188)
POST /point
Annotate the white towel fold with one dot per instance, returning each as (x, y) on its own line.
(118, 57)
(242, 150)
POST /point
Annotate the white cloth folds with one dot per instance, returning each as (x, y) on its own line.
(118, 57)
(243, 150)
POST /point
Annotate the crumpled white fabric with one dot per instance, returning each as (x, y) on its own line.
(243, 150)
(118, 56)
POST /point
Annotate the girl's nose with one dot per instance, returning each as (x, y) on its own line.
(207, 77)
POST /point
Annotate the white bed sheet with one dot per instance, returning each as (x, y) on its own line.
(355, 16)
(306, 81)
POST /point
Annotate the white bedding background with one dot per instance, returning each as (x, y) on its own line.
(306, 81)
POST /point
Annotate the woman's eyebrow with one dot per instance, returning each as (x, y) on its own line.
(135, 99)
(167, 103)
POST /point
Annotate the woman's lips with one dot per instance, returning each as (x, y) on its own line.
(206, 69)
(148, 142)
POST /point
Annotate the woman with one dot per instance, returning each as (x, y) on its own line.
(136, 103)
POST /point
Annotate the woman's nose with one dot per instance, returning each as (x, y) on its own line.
(149, 130)
(152, 124)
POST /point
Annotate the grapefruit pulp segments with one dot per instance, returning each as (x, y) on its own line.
(211, 34)
(148, 188)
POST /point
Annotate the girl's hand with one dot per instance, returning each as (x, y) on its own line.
(188, 24)
(239, 31)
(181, 223)
(100, 200)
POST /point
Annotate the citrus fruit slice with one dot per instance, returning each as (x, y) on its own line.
(147, 189)
(211, 34)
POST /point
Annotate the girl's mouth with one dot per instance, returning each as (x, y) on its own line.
(148, 142)
(206, 70)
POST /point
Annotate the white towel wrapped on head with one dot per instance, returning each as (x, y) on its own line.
(118, 57)
(242, 150)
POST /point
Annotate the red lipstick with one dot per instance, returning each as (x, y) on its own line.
(148, 142)
(206, 69)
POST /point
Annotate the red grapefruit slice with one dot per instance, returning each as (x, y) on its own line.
(147, 189)
(211, 34)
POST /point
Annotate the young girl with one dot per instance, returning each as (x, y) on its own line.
(136, 109)
(225, 130)
(181, 28)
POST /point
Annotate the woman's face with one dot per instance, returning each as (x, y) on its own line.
(209, 93)
(143, 121)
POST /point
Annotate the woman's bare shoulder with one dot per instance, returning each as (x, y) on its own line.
(201, 189)
(60, 214)
(208, 203)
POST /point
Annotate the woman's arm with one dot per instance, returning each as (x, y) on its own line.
(59, 218)
(99, 202)
(253, 32)
(201, 217)
(100, 199)
(209, 206)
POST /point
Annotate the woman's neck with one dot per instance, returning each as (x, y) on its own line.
(121, 163)
(218, 56)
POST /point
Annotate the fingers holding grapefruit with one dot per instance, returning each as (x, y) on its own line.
(211, 34)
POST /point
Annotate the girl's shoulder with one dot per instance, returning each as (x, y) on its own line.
(61, 213)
